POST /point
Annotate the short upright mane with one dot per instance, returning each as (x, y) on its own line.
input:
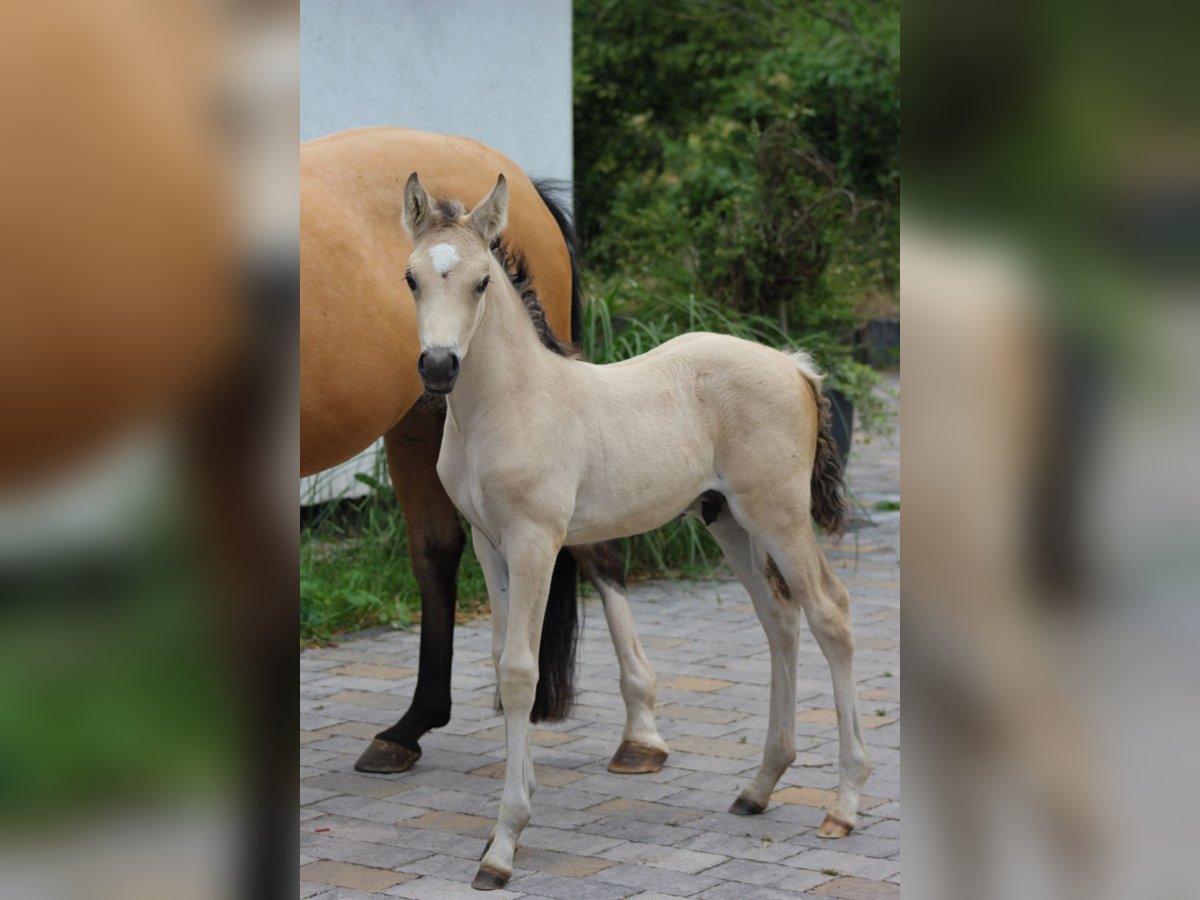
(513, 262)
(447, 212)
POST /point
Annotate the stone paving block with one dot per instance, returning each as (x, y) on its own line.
(312, 794)
(574, 840)
(384, 811)
(459, 823)
(666, 881)
(429, 888)
(356, 783)
(554, 862)
(645, 811)
(692, 683)
(453, 801)
(746, 871)
(605, 784)
(379, 856)
(347, 894)
(714, 747)
(646, 832)
(674, 858)
(699, 713)
(845, 863)
(374, 670)
(565, 888)
(732, 890)
(349, 875)
(857, 889)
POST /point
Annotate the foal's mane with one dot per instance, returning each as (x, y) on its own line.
(447, 213)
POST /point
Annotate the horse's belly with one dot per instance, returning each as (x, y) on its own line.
(637, 505)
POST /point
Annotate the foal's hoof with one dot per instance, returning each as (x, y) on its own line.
(743, 806)
(633, 758)
(833, 827)
(386, 758)
(489, 879)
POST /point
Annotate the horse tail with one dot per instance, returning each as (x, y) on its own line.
(828, 483)
(555, 693)
(557, 195)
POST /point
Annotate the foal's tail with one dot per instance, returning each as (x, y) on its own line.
(560, 634)
(828, 484)
(557, 195)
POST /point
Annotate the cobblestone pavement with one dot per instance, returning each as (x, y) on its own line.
(598, 835)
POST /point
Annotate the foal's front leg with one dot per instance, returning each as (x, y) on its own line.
(530, 557)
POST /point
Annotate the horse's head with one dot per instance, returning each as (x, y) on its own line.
(448, 273)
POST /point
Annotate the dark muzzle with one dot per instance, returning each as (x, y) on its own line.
(438, 368)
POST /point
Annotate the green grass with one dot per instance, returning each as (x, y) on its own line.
(355, 571)
(887, 506)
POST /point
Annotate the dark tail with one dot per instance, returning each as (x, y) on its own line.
(828, 484)
(556, 194)
(560, 634)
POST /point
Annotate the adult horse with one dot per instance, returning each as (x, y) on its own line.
(359, 380)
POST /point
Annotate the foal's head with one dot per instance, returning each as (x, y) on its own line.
(448, 274)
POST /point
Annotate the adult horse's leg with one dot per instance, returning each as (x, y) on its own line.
(826, 603)
(780, 618)
(642, 748)
(435, 544)
(531, 559)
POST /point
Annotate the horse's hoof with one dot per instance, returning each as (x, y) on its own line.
(634, 758)
(489, 879)
(833, 827)
(745, 807)
(386, 758)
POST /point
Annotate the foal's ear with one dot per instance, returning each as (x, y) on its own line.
(416, 207)
(491, 215)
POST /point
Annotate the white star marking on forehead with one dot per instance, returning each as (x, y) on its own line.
(443, 257)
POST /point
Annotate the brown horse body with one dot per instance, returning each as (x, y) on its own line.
(358, 350)
(359, 380)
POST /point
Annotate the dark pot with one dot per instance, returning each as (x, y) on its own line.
(842, 416)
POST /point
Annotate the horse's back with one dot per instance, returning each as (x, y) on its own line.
(358, 336)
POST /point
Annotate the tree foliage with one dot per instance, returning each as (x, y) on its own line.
(744, 151)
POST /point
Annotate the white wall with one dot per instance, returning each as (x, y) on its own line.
(495, 70)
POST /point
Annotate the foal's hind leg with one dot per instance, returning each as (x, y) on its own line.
(435, 544)
(826, 606)
(642, 748)
(780, 618)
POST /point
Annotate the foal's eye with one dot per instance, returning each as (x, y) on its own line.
(412, 282)
(482, 286)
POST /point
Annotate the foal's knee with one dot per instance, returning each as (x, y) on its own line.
(518, 680)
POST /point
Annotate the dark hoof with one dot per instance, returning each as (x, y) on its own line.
(386, 758)
(743, 807)
(488, 879)
(637, 759)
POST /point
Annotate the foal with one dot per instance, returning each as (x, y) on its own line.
(721, 428)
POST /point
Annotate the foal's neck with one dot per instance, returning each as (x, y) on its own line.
(505, 358)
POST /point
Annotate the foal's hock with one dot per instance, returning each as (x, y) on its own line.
(708, 425)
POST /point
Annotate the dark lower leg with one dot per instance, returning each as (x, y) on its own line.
(435, 542)
(436, 568)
